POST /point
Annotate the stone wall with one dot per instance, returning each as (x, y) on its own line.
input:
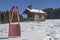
(39, 17)
(36, 18)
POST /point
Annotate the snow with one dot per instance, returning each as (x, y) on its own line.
(36, 30)
(36, 10)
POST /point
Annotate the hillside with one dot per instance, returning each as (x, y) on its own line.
(33, 30)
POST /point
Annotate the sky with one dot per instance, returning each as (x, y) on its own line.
(23, 4)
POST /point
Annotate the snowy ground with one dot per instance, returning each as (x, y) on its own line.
(50, 29)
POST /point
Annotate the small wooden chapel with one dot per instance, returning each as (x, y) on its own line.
(35, 14)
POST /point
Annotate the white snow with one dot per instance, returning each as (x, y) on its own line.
(37, 30)
(36, 10)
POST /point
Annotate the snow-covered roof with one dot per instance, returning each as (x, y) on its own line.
(36, 10)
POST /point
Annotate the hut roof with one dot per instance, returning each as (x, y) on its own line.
(35, 10)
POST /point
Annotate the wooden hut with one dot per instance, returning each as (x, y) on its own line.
(35, 14)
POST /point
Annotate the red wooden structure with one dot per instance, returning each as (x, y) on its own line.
(14, 29)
